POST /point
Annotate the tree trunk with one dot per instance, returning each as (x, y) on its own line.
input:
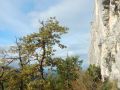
(21, 85)
(1, 86)
(42, 60)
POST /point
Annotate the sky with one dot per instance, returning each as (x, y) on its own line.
(21, 17)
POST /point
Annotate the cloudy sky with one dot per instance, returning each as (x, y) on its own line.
(21, 17)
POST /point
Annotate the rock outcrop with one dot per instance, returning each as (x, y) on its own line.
(105, 38)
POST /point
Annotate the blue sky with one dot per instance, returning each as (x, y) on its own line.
(20, 17)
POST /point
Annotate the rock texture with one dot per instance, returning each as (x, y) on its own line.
(105, 38)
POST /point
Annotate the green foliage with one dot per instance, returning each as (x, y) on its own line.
(109, 85)
(49, 34)
(68, 71)
(94, 72)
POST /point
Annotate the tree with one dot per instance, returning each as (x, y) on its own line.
(68, 70)
(41, 44)
(95, 74)
(4, 67)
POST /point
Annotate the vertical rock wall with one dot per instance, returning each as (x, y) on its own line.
(105, 38)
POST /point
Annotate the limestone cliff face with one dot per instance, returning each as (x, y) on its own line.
(105, 38)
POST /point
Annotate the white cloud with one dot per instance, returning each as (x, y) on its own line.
(67, 11)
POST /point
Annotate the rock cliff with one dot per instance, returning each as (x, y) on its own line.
(105, 38)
